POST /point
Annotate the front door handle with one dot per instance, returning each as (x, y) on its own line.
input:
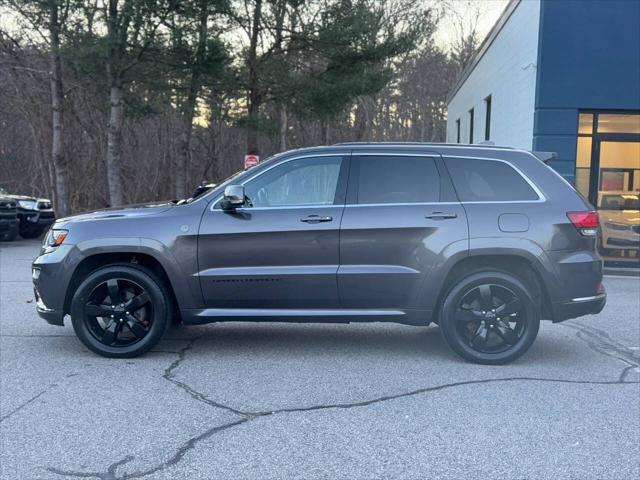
(441, 215)
(315, 219)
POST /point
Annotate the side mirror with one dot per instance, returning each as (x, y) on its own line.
(233, 197)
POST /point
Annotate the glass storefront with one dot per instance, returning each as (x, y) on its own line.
(608, 174)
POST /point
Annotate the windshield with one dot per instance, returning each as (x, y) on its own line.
(623, 201)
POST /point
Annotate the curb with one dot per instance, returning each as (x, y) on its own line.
(622, 271)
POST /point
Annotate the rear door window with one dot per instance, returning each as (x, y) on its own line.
(478, 180)
(388, 179)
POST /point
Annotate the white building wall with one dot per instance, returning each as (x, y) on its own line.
(507, 72)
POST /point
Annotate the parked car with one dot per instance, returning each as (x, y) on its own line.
(8, 218)
(482, 240)
(35, 215)
(619, 213)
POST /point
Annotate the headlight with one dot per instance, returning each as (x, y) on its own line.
(55, 238)
(28, 204)
(617, 226)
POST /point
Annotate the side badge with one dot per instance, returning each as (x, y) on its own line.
(184, 228)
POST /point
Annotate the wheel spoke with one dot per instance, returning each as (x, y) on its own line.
(135, 326)
(507, 334)
(485, 297)
(94, 310)
(111, 331)
(468, 315)
(114, 291)
(137, 302)
(512, 306)
(476, 335)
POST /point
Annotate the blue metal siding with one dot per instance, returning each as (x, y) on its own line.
(588, 58)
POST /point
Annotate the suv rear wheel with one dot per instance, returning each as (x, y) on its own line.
(489, 317)
(120, 311)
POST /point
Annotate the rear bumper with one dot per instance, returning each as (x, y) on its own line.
(578, 307)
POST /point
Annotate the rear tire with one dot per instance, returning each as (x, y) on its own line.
(489, 317)
(121, 311)
(10, 235)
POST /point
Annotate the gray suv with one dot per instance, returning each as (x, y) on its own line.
(481, 240)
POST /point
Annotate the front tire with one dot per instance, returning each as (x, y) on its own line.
(489, 317)
(10, 235)
(30, 233)
(120, 311)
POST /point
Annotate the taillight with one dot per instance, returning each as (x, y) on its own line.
(586, 222)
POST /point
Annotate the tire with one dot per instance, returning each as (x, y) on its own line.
(121, 311)
(30, 233)
(489, 317)
(9, 236)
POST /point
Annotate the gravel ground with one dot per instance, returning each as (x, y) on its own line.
(272, 401)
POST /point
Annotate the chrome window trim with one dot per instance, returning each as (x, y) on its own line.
(298, 157)
(293, 207)
(431, 154)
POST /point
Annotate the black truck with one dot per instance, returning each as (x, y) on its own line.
(8, 218)
(34, 215)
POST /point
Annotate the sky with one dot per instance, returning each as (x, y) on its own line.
(484, 13)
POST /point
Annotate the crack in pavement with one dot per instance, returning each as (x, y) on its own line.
(32, 399)
(601, 342)
(250, 416)
(597, 340)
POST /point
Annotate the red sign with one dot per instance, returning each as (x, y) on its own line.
(251, 161)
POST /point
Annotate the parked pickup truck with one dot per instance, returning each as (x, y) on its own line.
(35, 215)
(8, 218)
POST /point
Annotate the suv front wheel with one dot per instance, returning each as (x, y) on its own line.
(120, 311)
(489, 317)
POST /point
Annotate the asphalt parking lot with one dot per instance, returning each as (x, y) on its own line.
(250, 401)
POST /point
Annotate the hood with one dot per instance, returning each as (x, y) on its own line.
(126, 211)
(20, 197)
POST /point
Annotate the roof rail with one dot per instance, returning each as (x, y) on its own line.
(435, 144)
(545, 157)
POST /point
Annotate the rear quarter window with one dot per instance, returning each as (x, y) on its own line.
(478, 180)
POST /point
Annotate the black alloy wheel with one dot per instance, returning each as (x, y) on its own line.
(490, 317)
(121, 310)
(118, 312)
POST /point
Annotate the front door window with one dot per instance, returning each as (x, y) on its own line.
(302, 182)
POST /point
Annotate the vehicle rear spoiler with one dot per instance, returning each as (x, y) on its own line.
(545, 157)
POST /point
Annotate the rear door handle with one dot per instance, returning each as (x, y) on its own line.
(441, 215)
(315, 219)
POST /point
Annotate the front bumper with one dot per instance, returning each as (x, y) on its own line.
(52, 316)
(36, 218)
(7, 224)
(578, 307)
(51, 274)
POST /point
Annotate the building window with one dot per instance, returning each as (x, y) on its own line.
(458, 131)
(471, 126)
(487, 118)
(608, 174)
